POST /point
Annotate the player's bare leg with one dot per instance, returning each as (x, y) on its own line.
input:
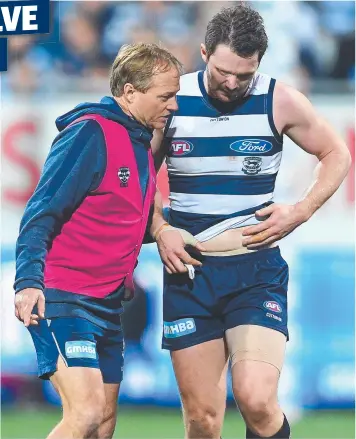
(83, 398)
(257, 359)
(201, 375)
(255, 391)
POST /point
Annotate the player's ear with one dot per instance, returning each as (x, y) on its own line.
(203, 53)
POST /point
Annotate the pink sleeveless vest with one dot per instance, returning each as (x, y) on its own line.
(97, 248)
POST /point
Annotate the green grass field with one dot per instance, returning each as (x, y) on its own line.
(166, 423)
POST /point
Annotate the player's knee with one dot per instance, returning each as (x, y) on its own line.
(202, 421)
(256, 406)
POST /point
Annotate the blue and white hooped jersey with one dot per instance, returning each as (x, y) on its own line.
(222, 159)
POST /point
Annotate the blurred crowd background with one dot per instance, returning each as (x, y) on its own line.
(311, 46)
(310, 42)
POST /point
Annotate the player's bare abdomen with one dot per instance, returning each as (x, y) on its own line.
(228, 241)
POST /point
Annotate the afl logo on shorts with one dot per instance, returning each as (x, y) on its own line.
(272, 306)
(181, 147)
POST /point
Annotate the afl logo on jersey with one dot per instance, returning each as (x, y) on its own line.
(251, 146)
(181, 147)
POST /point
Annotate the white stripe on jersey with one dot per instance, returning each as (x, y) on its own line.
(259, 85)
(232, 165)
(237, 125)
(189, 85)
(215, 204)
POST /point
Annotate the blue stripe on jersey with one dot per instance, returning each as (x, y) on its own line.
(195, 105)
(195, 223)
(220, 146)
(270, 95)
(223, 184)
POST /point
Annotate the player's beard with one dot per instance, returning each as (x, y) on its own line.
(214, 89)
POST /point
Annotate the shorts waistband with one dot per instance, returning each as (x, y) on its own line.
(238, 251)
(238, 258)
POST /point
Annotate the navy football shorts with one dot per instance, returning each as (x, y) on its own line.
(80, 343)
(227, 291)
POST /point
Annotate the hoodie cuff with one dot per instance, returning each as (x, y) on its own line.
(28, 283)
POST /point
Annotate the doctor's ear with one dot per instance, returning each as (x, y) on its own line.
(129, 92)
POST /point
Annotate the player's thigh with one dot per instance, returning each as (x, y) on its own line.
(201, 376)
(256, 343)
(257, 356)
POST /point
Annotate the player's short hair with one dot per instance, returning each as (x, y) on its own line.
(239, 27)
(137, 64)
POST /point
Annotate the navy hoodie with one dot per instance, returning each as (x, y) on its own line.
(75, 165)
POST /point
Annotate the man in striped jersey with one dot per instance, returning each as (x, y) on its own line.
(223, 148)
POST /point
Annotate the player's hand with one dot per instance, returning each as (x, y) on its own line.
(25, 301)
(171, 247)
(281, 220)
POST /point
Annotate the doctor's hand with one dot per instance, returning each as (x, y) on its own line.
(25, 301)
(171, 243)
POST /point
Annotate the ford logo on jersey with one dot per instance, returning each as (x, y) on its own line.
(251, 146)
(181, 147)
(272, 306)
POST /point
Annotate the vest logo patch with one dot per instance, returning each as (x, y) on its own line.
(124, 175)
(251, 165)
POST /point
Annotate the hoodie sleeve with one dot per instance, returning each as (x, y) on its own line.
(75, 165)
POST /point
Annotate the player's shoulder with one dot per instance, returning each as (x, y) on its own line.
(287, 97)
(189, 85)
(291, 107)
